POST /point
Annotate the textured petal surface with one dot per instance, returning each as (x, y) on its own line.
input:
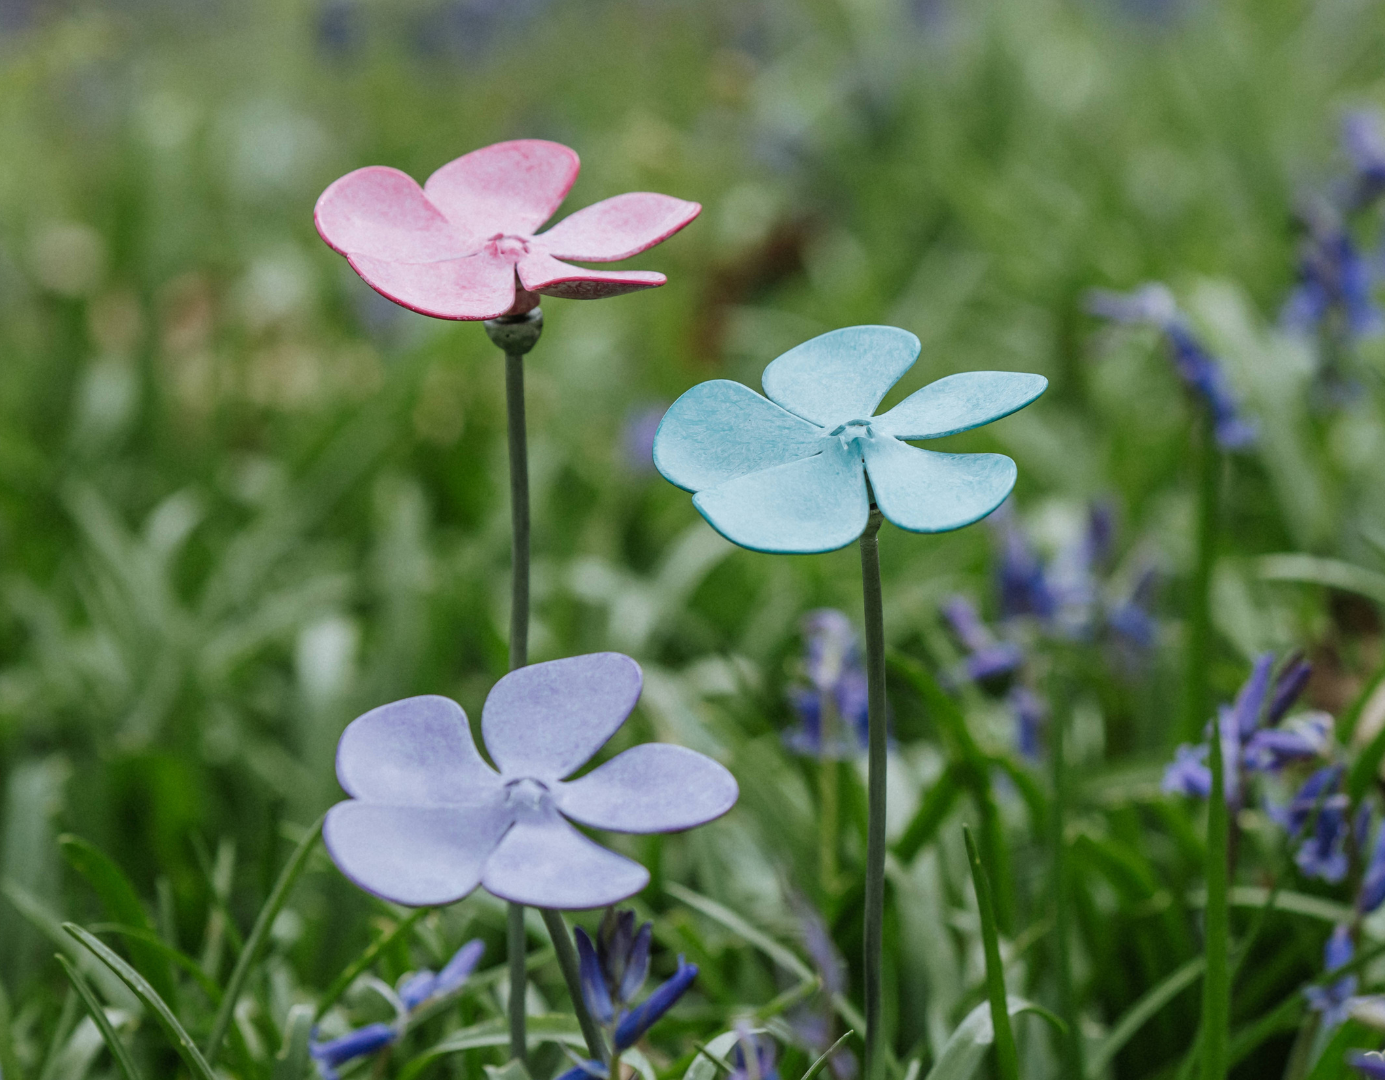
(383, 213)
(415, 752)
(411, 854)
(960, 402)
(618, 228)
(545, 274)
(841, 375)
(545, 862)
(816, 504)
(477, 287)
(654, 787)
(925, 491)
(510, 187)
(721, 429)
(545, 720)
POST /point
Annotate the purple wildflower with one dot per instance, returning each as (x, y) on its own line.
(1369, 1063)
(838, 676)
(367, 1040)
(1323, 853)
(641, 1019)
(815, 1026)
(1365, 148)
(1334, 1001)
(1303, 738)
(1335, 282)
(1372, 893)
(1030, 714)
(615, 968)
(1316, 789)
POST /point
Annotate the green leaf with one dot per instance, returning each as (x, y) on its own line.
(163, 948)
(780, 954)
(1366, 767)
(1140, 1013)
(1331, 1063)
(931, 814)
(1333, 573)
(258, 936)
(1007, 1057)
(1256, 896)
(9, 1063)
(181, 1040)
(374, 949)
(514, 1069)
(554, 1028)
(51, 927)
(821, 1063)
(292, 1061)
(966, 1047)
(704, 1067)
(118, 1050)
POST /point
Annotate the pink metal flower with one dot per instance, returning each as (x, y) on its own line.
(464, 246)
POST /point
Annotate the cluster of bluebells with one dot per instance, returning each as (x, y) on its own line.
(613, 971)
(414, 991)
(1067, 597)
(814, 1023)
(1202, 373)
(1333, 300)
(754, 1057)
(833, 710)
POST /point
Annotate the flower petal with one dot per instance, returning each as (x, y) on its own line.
(383, 213)
(653, 787)
(476, 287)
(842, 375)
(545, 862)
(618, 228)
(811, 505)
(545, 274)
(721, 429)
(414, 855)
(415, 752)
(925, 491)
(959, 403)
(545, 720)
(510, 187)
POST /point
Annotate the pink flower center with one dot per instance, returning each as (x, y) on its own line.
(506, 246)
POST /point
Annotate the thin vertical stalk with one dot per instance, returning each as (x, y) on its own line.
(516, 335)
(1196, 688)
(1006, 1056)
(567, 961)
(875, 828)
(515, 949)
(1071, 1046)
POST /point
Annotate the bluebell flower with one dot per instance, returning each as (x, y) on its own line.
(1153, 305)
(1335, 290)
(1364, 144)
(614, 968)
(833, 664)
(327, 1056)
(1323, 854)
(815, 1024)
(1334, 1002)
(1024, 587)
(1372, 893)
(1317, 788)
(991, 664)
(1301, 739)
(1030, 714)
(753, 1058)
(1369, 1063)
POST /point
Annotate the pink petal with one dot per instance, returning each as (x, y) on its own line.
(545, 274)
(476, 287)
(618, 228)
(383, 213)
(511, 187)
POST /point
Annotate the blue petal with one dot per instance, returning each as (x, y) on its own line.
(719, 430)
(653, 787)
(547, 863)
(637, 965)
(459, 968)
(640, 1020)
(925, 491)
(960, 403)
(842, 375)
(352, 1045)
(594, 989)
(817, 504)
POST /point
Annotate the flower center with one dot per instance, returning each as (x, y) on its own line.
(852, 431)
(527, 797)
(507, 246)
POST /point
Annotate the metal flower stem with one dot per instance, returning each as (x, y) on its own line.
(516, 335)
(567, 960)
(875, 828)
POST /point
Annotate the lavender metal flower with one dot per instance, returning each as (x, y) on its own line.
(429, 820)
(1154, 305)
(788, 472)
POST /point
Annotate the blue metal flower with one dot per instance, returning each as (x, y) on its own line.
(1334, 1002)
(833, 664)
(613, 969)
(1154, 305)
(795, 472)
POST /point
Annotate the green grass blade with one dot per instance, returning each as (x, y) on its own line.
(557, 1028)
(931, 814)
(50, 926)
(1140, 1013)
(258, 935)
(1007, 1057)
(120, 899)
(780, 954)
(175, 1031)
(1333, 573)
(175, 956)
(367, 957)
(292, 1062)
(821, 1063)
(9, 1063)
(1216, 985)
(118, 1050)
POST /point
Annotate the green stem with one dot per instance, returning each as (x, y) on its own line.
(567, 960)
(1071, 1050)
(875, 828)
(1197, 693)
(1006, 1056)
(258, 936)
(515, 946)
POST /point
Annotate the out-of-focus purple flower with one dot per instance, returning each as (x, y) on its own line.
(815, 1025)
(637, 437)
(327, 1056)
(1323, 854)
(639, 1020)
(1315, 790)
(1364, 144)
(1024, 587)
(988, 660)
(1030, 714)
(615, 968)
(1188, 773)
(832, 661)
(1334, 1001)
(1335, 282)
(754, 1058)
(1153, 305)
(1292, 680)
(1249, 705)
(1303, 738)
(1369, 1063)
(1372, 893)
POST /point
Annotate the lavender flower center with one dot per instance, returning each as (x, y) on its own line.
(507, 246)
(528, 798)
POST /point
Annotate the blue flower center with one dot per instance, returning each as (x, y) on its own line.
(528, 798)
(852, 431)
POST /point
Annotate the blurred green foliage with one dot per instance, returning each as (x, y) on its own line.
(243, 498)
